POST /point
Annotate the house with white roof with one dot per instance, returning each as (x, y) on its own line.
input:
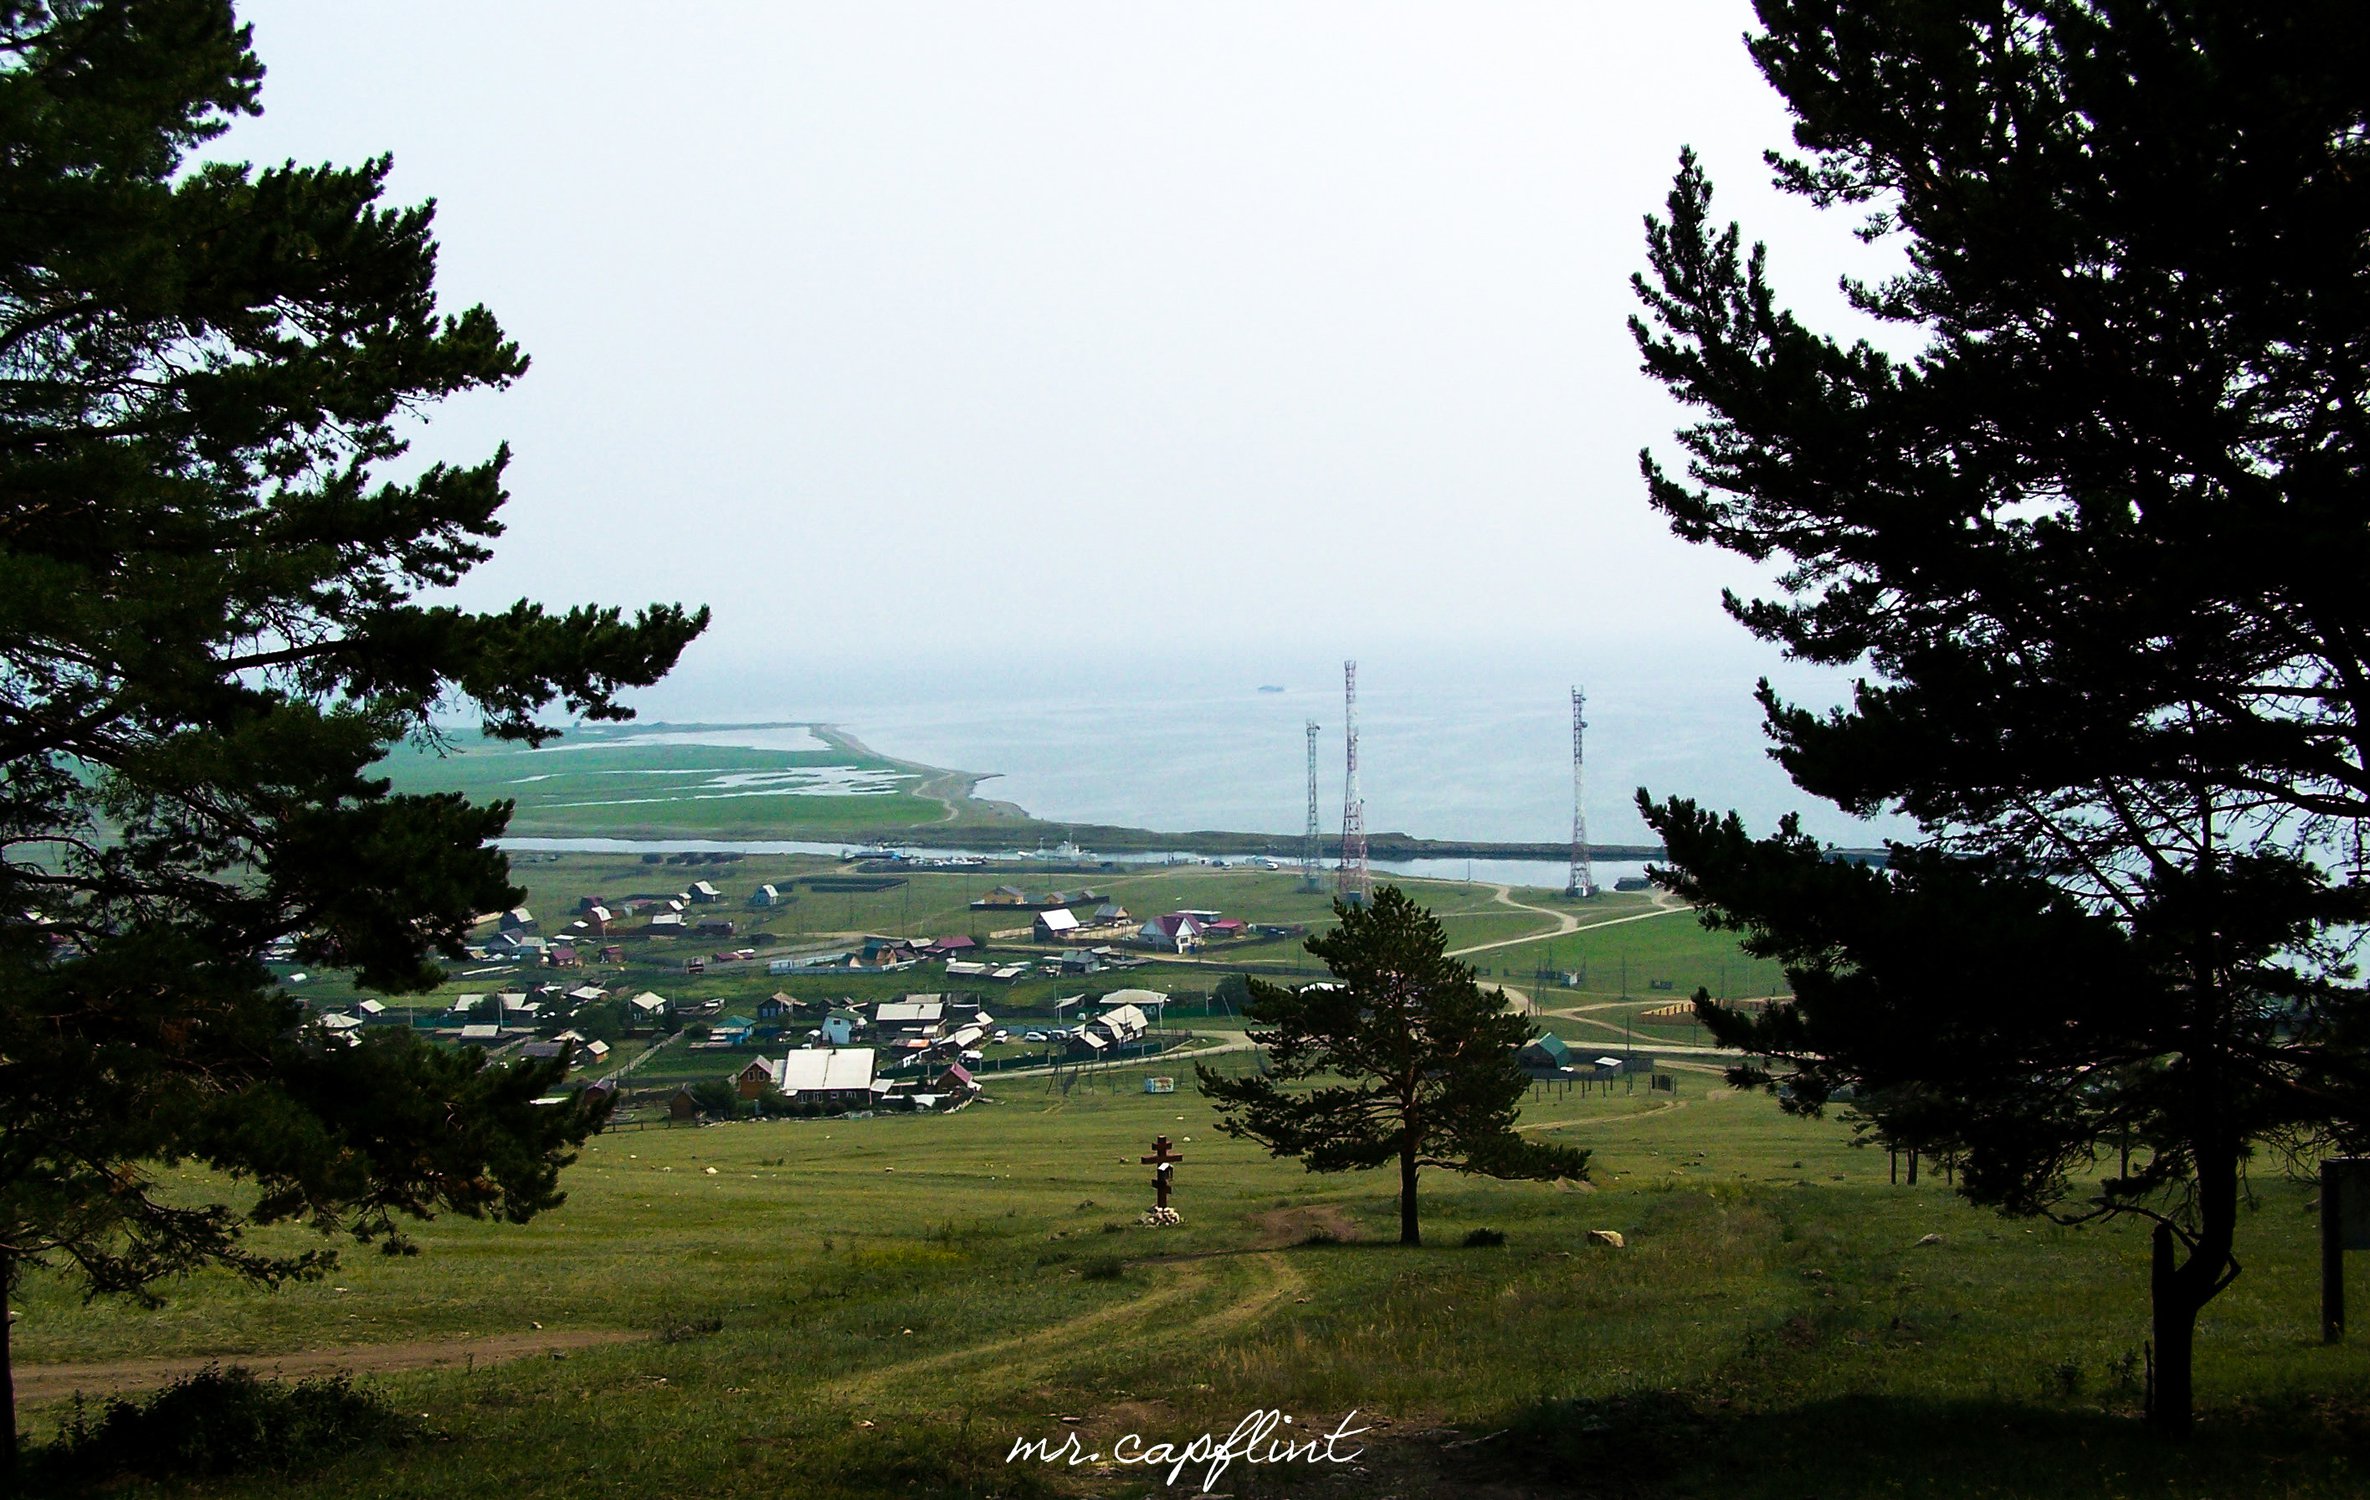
(836, 1077)
(1055, 926)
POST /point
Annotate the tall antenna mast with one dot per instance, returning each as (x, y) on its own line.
(1583, 881)
(1351, 880)
(1312, 852)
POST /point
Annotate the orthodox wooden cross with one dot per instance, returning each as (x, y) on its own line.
(1164, 1168)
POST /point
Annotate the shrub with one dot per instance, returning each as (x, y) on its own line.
(222, 1421)
(1103, 1268)
(1483, 1239)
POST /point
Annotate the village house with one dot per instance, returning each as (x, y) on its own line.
(1115, 1027)
(518, 919)
(842, 1026)
(965, 1038)
(887, 953)
(341, 1027)
(512, 943)
(1013, 898)
(1055, 926)
(776, 1006)
(767, 895)
(1177, 932)
(836, 1078)
(704, 894)
(1545, 1053)
(914, 1016)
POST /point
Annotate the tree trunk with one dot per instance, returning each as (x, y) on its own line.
(2178, 1292)
(2173, 1325)
(1409, 1234)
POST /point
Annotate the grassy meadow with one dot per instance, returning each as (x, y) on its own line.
(882, 1306)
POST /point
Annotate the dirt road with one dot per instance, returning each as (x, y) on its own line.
(112, 1377)
(1567, 922)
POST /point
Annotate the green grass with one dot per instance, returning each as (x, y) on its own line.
(874, 1307)
(612, 782)
(1774, 1327)
(1629, 958)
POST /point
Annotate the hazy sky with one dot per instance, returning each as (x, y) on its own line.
(904, 332)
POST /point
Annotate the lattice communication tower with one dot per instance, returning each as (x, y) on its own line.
(1583, 880)
(1352, 882)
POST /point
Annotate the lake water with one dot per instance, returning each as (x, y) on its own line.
(1543, 874)
(1450, 746)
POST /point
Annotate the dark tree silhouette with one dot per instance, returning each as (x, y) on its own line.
(208, 635)
(2098, 546)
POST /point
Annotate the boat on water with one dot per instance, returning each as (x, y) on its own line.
(1270, 687)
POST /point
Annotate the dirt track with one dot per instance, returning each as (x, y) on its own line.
(56, 1382)
(1567, 922)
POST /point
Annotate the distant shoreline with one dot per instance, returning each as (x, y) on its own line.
(972, 821)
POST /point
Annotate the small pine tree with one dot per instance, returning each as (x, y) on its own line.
(1412, 1060)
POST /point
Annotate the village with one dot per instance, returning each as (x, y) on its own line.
(714, 999)
(632, 989)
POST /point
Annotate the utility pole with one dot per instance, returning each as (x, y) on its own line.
(1312, 845)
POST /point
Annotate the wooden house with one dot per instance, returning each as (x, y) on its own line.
(1055, 926)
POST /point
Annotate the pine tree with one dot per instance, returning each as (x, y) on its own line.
(2098, 546)
(209, 632)
(1410, 1060)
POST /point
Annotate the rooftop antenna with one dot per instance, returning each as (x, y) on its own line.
(1312, 846)
(1351, 880)
(1583, 879)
